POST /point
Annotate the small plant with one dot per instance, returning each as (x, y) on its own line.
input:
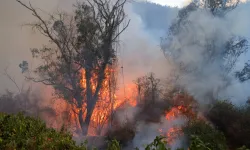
(157, 144)
(114, 145)
(199, 131)
(198, 144)
(243, 148)
(233, 121)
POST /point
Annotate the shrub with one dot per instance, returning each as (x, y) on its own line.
(243, 148)
(123, 133)
(233, 121)
(198, 144)
(113, 145)
(20, 132)
(160, 144)
(213, 138)
(157, 144)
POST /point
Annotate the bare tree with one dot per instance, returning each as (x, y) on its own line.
(12, 80)
(148, 88)
(82, 51)
(220, 7)
(244, 74)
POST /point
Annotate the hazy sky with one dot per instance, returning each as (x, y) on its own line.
(178, 3)
(173, 3)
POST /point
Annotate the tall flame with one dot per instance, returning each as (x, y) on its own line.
(109, 100)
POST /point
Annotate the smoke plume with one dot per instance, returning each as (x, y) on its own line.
(191, 46)
(139, 50)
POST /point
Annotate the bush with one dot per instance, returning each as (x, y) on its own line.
(114, 145)
(157, 144)
(198, 144)
(20, 132)
(124, 134)
(233, 121)
(213, 138)
(160, 144)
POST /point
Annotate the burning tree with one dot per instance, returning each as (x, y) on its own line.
(82, 52)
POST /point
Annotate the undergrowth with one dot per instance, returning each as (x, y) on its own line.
(18, 132)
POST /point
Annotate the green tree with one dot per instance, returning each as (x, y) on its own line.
(82, 48)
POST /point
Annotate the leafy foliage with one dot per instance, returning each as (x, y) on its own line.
(20, 132)
(233, 121)
(114, 145)
(198, 144)
(243, 148)
(198, 130)
(160, 144)
(157, 144)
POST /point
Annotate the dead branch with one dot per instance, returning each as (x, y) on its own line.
(11, 79)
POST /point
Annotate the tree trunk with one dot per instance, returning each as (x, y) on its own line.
(82, 122)
(85, 124)
(92, 97)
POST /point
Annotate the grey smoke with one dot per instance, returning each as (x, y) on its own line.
(192, 42)
(148, 131)
(139, 54)
(206, 26)
(140, 50)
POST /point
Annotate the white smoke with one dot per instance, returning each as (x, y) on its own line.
(139, 54)
(206, 26)
(147, 132)
(192, 41)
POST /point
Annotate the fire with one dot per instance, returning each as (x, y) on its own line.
(173, 132)
(109, 100)
(175, 111)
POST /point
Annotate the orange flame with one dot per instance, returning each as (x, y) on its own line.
(109, 100)
(173, 132)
